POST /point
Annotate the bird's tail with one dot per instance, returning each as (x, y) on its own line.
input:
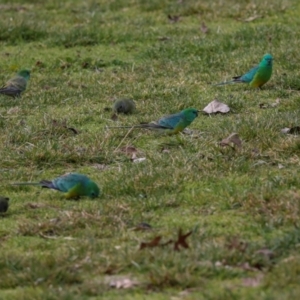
(47, 184)
(10, 91)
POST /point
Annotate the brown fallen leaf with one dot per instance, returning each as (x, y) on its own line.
(266, 105)
(163, 38)
(143, 226)
(114, 117)
(266, 253)
(73, 130)
(135, 159)
(39, 64)
(165, 150)
(85, 64)
(13, 110)
(232, 139)
(253, 281)
(121, 282)
(246, 266)
(167, 243)
(153, 243)
(50, 237)
(216, 107)
(132, 152)
(277, 102)
(39, 205)
(204, 28)
(236, 244)
(129, 150)
(65, 66)
(252, 18)
(174, 18)
(34, 205)
(63, 124)
(100, 166)
(181, 240)
(263, 105)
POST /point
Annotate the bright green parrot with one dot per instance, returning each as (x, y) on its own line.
(257, 76)
(73, 185)
(172, 123)
(125, 106)
(17, 85)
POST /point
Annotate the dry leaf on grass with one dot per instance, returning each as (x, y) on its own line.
(266, 105)
(232, 139)
(38, 205)
(63, 124)
(246, 266)
(164, 38)
(143, 226)
(266, 253)
(100, 166)
(235, 243)
(121, 282)
(174, 18)
(151, 244)
(181, 240)
(138, 159)
(252, 18)
(204, 28)
(114, 117)
(132, 152)
(13, 110)
(129, 150)
(253, 281)
(216, 107)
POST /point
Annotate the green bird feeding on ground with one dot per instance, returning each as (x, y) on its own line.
(125, 106)
(172, 124)
(3, 204)
(17, 85)
(73, 185)
(257, 76)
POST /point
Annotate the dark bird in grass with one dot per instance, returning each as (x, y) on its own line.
(125, 106)
(17, 85)
(3, 204)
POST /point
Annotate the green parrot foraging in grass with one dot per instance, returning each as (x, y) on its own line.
(171, 124)
(125, 106)
(73, 185)
(257, 76)
(17, 85)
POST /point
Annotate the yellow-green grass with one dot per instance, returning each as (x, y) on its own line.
(242, 205)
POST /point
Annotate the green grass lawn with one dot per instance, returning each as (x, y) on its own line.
(241, 204)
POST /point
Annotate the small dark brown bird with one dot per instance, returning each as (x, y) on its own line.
(125, 106)
(3, 204)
